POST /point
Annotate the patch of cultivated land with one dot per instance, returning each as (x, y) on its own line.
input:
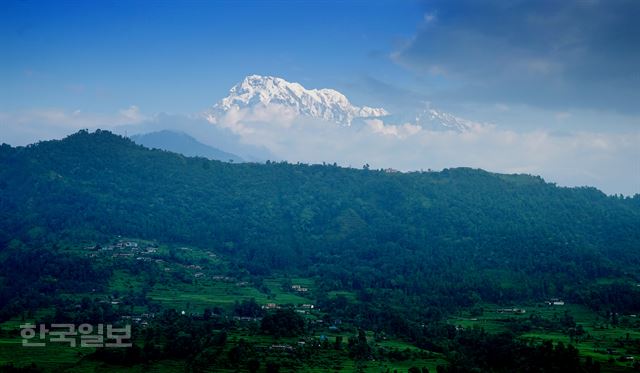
(601, 340)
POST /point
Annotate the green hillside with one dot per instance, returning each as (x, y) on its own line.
(414, 259)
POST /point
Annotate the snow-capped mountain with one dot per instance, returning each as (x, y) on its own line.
(439, 120)
(257, 92)
(327, 104)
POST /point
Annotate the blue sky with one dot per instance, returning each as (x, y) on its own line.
(162, 56)
(180, 57)
(554, 84)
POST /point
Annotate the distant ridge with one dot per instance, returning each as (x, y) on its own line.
(180, 142)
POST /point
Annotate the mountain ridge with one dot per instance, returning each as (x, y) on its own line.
(257, 92)
(182, 143)
(280, 217)
(326, 104)
(413, 249)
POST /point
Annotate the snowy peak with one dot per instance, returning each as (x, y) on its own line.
(327, 104)
(253, 98)
(439, 120)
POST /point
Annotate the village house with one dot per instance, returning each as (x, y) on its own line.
(282, 347)
(299, 288)
(270, 306)
(222, 278)
(517, 311)
(122, 255)
(555, 302)
(246, 318)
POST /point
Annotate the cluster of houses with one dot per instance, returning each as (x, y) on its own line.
(222, 278)
(299, 289)
(270, 306)
(301, 308)
(247, 318)
(516, 311)
(304, 342)
(555, 302)
(611, 351)
(124, 249)
(141, 319)
(114, 301)
(281, 347)
(519, 311)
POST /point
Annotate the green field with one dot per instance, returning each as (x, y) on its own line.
(207, 294)
(197, 280)
(599, 336)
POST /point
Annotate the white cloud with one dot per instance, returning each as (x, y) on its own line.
(400, 131)
(562, 115)
(21, 128)
(132, 114)
(501, 107)
(430, 17)
(235, 118)
(605, 160)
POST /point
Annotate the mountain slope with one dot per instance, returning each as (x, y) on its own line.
(180, 142)
(405, 255)
(262, 91)
(282, 216)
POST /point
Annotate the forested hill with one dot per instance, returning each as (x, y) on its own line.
(322, 218)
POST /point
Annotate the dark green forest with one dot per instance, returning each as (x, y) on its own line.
(413, 247)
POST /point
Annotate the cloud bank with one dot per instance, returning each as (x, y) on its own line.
(609, 161)
(22, 128)
(551, 54)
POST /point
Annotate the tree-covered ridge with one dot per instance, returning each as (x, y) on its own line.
(440, 233)
(420, 259)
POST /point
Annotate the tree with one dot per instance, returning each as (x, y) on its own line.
(283, 323)
(359, 349)
(253, 365)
